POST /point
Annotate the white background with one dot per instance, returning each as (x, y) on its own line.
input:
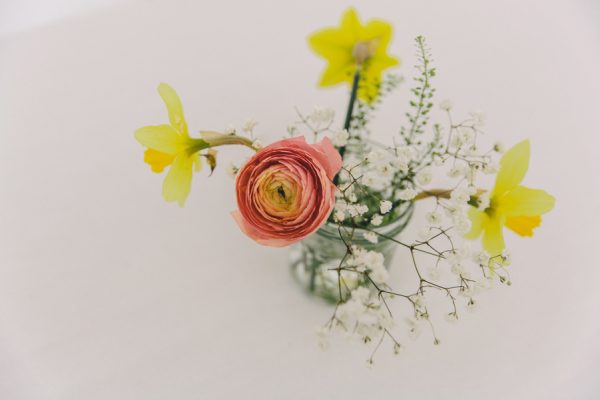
(108, 292)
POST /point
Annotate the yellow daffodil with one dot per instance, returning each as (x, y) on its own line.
(512, 205)
(171, 145)
(353, 47)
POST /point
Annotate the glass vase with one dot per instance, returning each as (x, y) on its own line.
(315, 259)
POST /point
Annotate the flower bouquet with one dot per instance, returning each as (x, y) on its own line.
(341, 200)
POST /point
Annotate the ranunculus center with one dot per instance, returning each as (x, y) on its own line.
(278, 193)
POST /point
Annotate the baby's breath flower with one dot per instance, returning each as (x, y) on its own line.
(424, 176)
(339, 215)
(376, 220)
(230, 130)
(407, 194)
(434, 218)
(292, 130)
(371, 237)
(457, 171)
(340, 138)
(322, 337)
(482, 258)
(434, 273)
(231, 170)
(379, 274)
(483, 201)
(462, 225)
(321, 115)
(385, 206)
(249, 126)
(478, 119)
(490, 168)
(471, 305)
(438, 161)
(506, 257)
(446, 105)
(498, 147)
(257, 144)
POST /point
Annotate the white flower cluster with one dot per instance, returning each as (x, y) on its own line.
(365, 312)
(322, 116)
(369, 262)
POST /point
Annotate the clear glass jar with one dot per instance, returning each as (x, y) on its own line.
(313, 260)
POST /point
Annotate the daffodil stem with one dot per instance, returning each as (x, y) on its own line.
(351, 101)
(219, 139)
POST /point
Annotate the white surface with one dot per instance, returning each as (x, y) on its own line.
(107, 292)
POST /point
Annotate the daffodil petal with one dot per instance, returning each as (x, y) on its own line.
(174, 107)
(513, 167)
(371, 76)
(178, 181)
(336, 73)
(350, 23)
(158, 161)
(478, 220)
(379, 30)
(524, 201)
(163, 138)
(493, 239)
(523, 226)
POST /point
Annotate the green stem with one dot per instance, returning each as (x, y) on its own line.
(351, 101)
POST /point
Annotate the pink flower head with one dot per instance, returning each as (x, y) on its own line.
(285, 191)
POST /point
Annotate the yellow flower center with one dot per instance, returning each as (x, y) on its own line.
(278, 194)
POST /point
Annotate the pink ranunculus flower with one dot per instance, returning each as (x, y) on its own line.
(285, 191)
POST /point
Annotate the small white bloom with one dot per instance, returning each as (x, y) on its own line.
(478, 119)
(322, 337)
(483, 201)
(471, 305)
(434, 273)
(462, 194)
(414, 328)
(452, 317)
(249, 126)
(361, 294)
(446, 105)
(339, 215)
(373, 259)
(506, 257)
(379, 274)
(498, 147)
(340, 138)
(438, 161)
(462, 225)
(371, 237)
(426, 233)
(231, 170)
(434, 218)
(385, 206)
(418, 300)
(376, 220)
(457, 171)
(407, 194)
(424, 176)
(257, 144)
(490, 168)
(292, 130)
(482, 258)
(230, 130)
(321, 115)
